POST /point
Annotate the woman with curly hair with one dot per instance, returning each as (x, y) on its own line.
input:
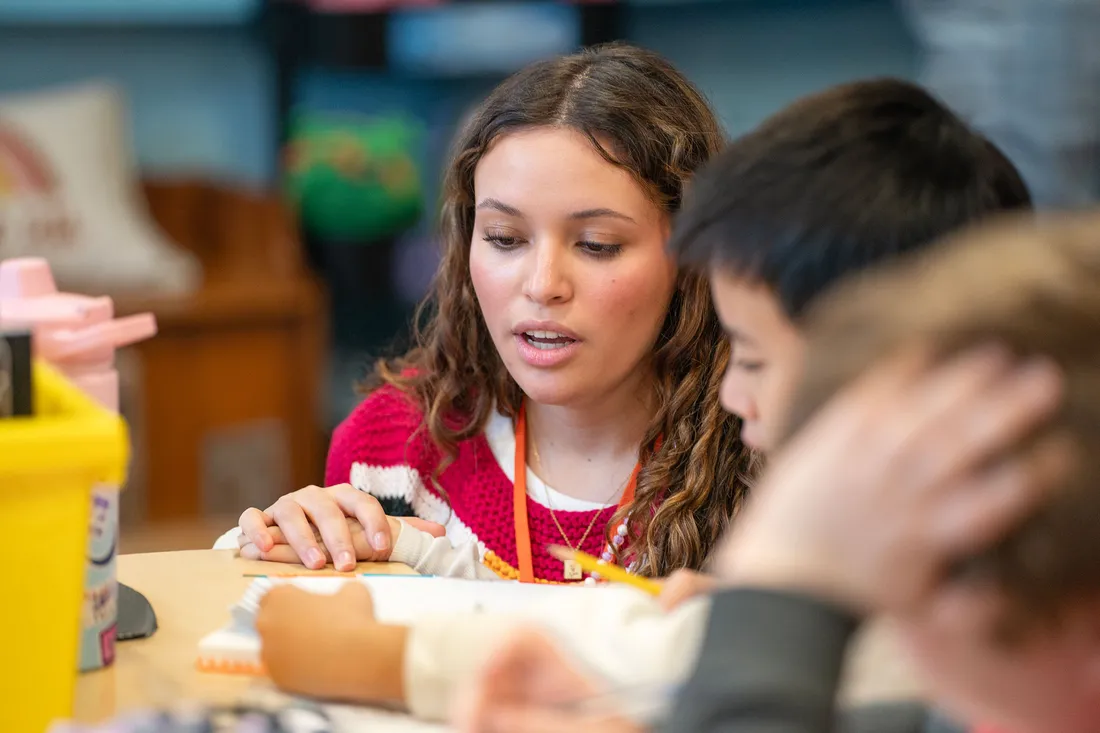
(563, 389)
(831, 185)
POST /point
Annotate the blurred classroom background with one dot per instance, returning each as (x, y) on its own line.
(290, 152)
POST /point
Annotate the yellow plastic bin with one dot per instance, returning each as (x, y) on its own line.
(48, 465)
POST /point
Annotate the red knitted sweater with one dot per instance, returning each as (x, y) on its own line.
(382, 448)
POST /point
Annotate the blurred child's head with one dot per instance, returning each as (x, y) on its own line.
(556, 285)
(834, 183)
(1029, 660)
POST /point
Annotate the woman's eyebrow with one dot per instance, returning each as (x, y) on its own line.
(600, 214)
(500, 206)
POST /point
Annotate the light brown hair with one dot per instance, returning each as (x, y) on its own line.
(643, 116)
(1034, 286)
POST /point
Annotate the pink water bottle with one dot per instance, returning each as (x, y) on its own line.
(78, 335)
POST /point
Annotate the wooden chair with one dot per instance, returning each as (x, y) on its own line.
(226, 402)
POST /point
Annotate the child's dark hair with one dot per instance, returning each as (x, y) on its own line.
(838, 181)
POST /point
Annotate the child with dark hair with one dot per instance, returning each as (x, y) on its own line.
(857, 175)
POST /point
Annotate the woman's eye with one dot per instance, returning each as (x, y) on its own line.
(502, 241)
(598, 249)
(749, 366)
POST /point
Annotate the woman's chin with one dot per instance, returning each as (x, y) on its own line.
(556, 390)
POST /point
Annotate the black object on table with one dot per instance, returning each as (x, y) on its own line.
(136, 619)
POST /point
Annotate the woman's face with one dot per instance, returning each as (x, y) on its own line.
(569, 265)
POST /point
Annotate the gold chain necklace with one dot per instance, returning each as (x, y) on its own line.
(571, 568)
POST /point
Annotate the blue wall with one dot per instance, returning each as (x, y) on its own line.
(201, 99)
(753, 57)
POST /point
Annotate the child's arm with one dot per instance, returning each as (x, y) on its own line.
(621, 636)
(332, 647)
(431, 555)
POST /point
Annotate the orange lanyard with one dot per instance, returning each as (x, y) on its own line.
(519, 499)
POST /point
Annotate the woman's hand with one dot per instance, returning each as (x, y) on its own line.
(314, 524)
(331, 646)
(529, 686)
(282, 551)
(683, 585)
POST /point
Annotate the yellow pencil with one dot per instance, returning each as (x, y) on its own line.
(605, 570)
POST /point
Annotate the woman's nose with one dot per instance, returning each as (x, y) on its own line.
(548, 279)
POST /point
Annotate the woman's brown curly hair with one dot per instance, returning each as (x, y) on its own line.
(641, 115)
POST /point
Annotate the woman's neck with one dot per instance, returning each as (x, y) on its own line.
(588, 451)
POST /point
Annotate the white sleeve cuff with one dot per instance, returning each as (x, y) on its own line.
(429, 555)
(411, 545)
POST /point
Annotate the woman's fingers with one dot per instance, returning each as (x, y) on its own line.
(254, 525)
(363, 550)
(365, 508)
(330, 519)
(295, 524)
(339, 522)
(278, 553)
(280, 538)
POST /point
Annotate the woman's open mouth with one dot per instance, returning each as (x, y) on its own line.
(545, 348)
(547, 340)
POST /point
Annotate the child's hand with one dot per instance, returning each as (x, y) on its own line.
(908, 470)
(684, 585)
(331, 646)
(528, 687)
(313, 523)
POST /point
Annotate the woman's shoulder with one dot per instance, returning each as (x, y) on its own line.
(384, 447)
(388, 428)
(388, 402)
(381, 428)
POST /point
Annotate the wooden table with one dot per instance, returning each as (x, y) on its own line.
(191, 593)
